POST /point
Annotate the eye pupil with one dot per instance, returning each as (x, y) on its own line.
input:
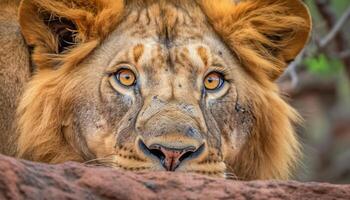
(126, 77)
(213, 81)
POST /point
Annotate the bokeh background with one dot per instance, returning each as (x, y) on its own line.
(317, 84)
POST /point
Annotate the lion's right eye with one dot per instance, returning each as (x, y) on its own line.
(125, 77)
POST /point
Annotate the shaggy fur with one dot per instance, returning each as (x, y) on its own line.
(262, 35)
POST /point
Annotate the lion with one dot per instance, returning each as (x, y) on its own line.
(161, 85)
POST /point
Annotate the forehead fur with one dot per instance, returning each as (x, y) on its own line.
(263, 46)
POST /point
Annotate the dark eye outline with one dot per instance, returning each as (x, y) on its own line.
(116, 77)
(221, 83)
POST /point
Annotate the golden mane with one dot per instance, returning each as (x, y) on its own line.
(41, 111)
(94, 21)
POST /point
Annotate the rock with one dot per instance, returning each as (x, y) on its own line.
(28, 180)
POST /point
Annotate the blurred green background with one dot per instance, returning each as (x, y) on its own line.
(317, 84)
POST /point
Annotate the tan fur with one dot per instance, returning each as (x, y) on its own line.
(248, 131)
(138, 51)
(203, 54)
(14, 71)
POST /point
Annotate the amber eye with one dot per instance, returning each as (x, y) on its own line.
(126, 77)
(213, 81)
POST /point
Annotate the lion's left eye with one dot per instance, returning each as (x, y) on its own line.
(126, 77)
(213, 81)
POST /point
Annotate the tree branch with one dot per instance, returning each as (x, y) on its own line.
(335, 33)
(335, 30)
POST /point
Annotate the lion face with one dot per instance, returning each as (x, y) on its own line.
(150, 86)
(167, 101)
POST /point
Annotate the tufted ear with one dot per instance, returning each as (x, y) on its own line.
(55, 28)
(265, 35)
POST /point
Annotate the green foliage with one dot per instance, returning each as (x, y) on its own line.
(340, 6)
(323, 65)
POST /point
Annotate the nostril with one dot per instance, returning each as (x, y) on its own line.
(158, 153)
(192, 153)
(154, 150)
(185, 155)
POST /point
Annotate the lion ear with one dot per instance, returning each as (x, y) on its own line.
(265, 35)
(56, 27)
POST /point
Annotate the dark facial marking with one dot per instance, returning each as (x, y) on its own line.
(213, 135)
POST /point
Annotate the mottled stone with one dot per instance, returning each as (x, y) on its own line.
(28, 180)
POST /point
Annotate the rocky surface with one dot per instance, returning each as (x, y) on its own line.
(27, 180)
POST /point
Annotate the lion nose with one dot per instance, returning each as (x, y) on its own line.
(169, 157)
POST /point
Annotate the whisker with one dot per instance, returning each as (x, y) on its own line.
(232, 176)
(104, 164)
(98, 165)
(107, 157)
(97, 160)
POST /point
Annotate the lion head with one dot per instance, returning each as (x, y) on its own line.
(159, 85)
